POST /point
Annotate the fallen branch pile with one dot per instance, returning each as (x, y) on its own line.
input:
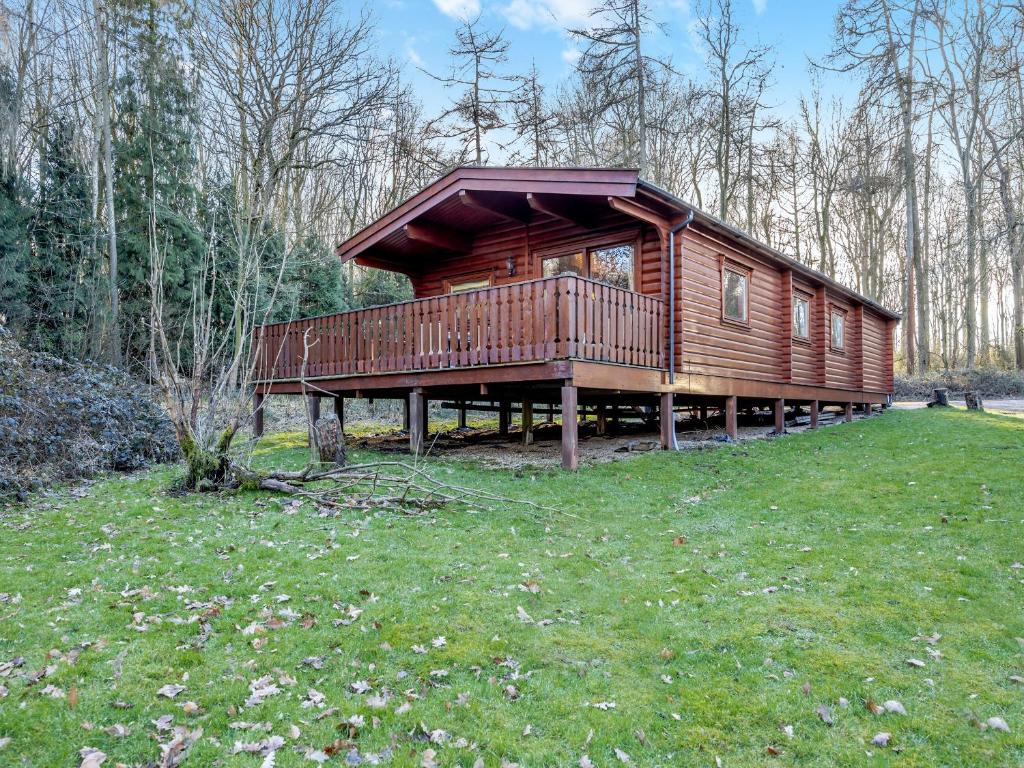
(397, 486)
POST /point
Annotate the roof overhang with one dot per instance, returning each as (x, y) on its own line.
(444, 217)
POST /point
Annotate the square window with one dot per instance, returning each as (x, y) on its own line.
(838, 330)
(801, 317)
(613, 265)
(734, 294)
(571, 263)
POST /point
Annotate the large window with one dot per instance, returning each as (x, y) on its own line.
(735, 290)
(801, 316)
(838, 329)
(609, 264)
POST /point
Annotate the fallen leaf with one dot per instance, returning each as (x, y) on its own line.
(523, 616)
(585, 762)
(881, 739)
(997, 724)
(623, 756)
(91, 758)
(787, 729)
(171, 690)
(915, 663)
(894, 706)
(825, 714)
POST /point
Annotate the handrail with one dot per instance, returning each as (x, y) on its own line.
(550, 318)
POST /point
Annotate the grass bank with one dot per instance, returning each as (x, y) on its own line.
(679, 608)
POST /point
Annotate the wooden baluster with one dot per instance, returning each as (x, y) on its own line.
(550, 317)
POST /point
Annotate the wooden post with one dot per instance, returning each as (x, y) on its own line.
(405, 414)
(339, 412)
(849, 412)
(504, 416)
(527, 422)
(814, 414)
(865, 408)
(703, 413)
(570, 429)
(730, 416)
(314, 417)
(550, 418)
(780, 416)
(668, 421)
(462, 415)
(602, 420)
(417, 421)
(257, 414)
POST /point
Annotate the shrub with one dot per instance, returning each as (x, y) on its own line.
(61, 420)
(990, 382)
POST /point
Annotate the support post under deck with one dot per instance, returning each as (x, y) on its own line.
(257, 414)
(417, 422)
(780, 416)
(668, 420)
(849, 412)
(527, 415)
(814, 414)
(570, 429)
(339, 411)
(730, 417)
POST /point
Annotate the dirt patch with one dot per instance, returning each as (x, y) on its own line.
(508, 452)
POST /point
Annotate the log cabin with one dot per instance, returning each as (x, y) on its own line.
(578, 288)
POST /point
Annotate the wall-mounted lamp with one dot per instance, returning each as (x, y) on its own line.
(511, 263)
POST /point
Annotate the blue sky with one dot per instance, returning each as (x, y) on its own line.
(419, 32)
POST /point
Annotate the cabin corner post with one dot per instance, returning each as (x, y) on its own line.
(257, 413)
(780, 416)
(417, 421)
(814, 414)
(570, 428)
(668, 423)
(730, 417)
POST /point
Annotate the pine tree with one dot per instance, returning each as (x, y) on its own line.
(155, 168)
(60, 273)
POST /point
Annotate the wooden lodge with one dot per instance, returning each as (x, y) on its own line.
(582, 287)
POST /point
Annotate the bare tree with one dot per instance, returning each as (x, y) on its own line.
(481, 101)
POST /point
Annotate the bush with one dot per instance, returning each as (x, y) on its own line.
(61, 420)
(990, 382)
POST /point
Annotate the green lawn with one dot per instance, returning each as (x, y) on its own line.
(682, 608)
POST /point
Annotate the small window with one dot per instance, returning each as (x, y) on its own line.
(838, 330)
(470, 285)
(572, 263)
(734, 294)
(801, 317)
(613, 266)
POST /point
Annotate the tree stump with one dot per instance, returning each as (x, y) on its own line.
(330, 441)
(940, 397)
(973, 400)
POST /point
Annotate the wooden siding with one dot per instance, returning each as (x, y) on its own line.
(524, 243)
(706, 344)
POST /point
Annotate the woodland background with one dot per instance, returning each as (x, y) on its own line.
(189, 165)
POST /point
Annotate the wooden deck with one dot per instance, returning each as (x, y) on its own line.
(557, 318)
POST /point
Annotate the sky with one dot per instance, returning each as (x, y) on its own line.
(419, 33)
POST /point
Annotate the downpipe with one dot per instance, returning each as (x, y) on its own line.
(672, 307)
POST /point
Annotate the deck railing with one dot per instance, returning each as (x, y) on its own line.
(536, 320)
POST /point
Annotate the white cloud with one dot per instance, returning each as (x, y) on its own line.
(571, 55)
(527, 14)
(458, 9)
(760, 6)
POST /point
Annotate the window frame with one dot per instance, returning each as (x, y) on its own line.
(468, 277)
(799, 295)
(833, 313)
(632, 238)
(747, 273)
